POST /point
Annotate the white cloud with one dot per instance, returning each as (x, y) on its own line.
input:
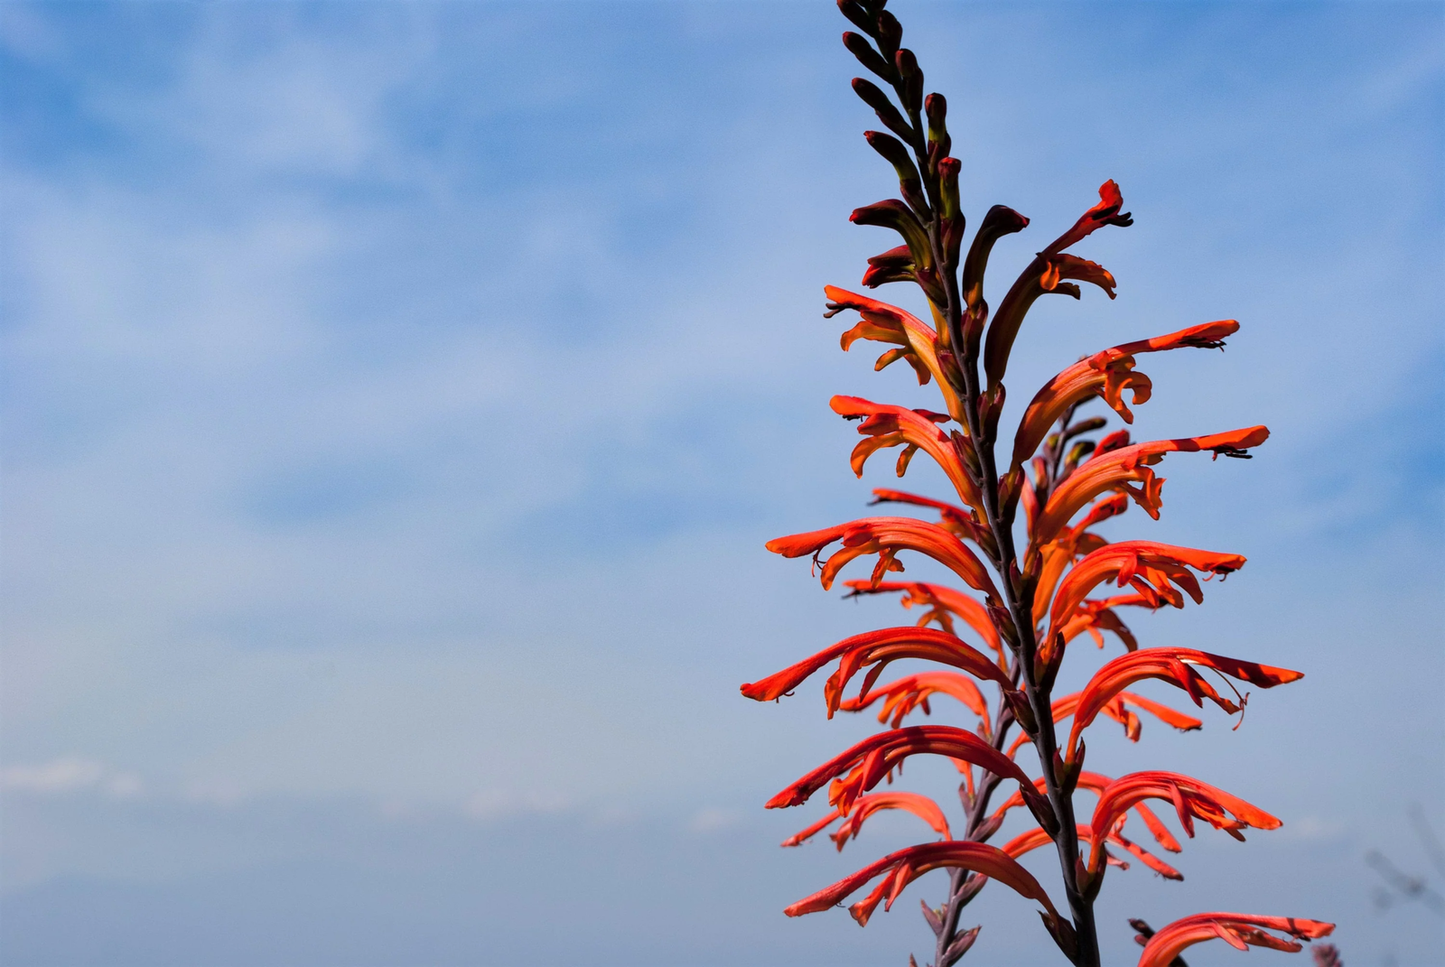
(71, 774)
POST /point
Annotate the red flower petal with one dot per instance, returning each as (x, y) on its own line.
(904, 695)
(1106, 212)
(906, 865)
(1191, 798)
(889, 324)
(886, 536)
(892, 426)
(869, 761)
(876, 648)
(1175, 666)
(1108, 374)
(1116, 470)
(940, 598)
(1152, 569)
(921, 806)
(1240, 930)
(1043, 275)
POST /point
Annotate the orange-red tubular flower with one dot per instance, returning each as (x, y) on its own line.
(944, 604)
(869, 761)
(921, 806)
(1096, 783)
(1151, 569)
(1106, 212)
(892, 426)
(1175, 666)
(1097, 616)
(1239, 930)
(906, 865)
(894, 265)
(886, 536)
(1116, 470)
(1055, 557)
(951, 513)
(1190, 797)
(1044, 274)
(1030, 840)
(1147, 858)
(953, 518)
(1117, 708)
(808, 832)
(1107, 373)
(917, 341)
(1034, 838)
(906, 694)
(876, 648)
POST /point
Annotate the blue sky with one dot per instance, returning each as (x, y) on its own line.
(397, 398)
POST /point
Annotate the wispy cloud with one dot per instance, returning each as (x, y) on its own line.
(70, 775)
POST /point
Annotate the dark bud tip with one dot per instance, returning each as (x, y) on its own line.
(936, 107)
(859, 15)
(906, 62)
(912, 92)
(859, 47)
(889, 32)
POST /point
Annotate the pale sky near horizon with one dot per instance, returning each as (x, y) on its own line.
(397, 397)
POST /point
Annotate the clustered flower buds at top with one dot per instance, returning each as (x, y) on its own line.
(1024, 603)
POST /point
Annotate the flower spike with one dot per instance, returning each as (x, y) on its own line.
(1062, 480)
